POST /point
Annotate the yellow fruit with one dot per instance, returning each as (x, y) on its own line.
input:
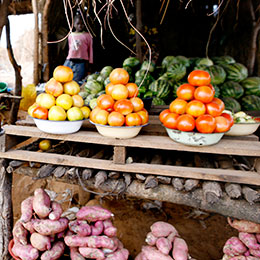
(45, 145)
(71, 88)
(78, 101)
(31, 108)
(45, 100)
(86, 111)
(102, 117)
(65, 101)
(54, 87)
(63, 74)
(57, 113)
(74, 114)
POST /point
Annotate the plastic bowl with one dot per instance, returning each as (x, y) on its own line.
(58, 127)
(120, 132)
(10, 246)
(240, 129)
(3, 86)
(194, 138)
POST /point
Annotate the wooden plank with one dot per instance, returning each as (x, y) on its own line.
(234, 176)
(225, 146)
(119, 154)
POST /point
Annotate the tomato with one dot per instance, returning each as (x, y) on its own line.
(119, 76)
(63, 74)
(71, 88)
(53, 87)
(133, 119)
(204, 94)
(185, 123)
(205, 124)
(229, 117)
(45, 144)
(213, 109)
(31, 108)
(144, 115)
(124, 106)
(170, 120)
(222, 124)
(45, 100)
(163, 114)
(40, 113)
(199, 78)
(57, 113)
(101, 117)
(109, 88)
(178, 106)
(211, 86)
(219, 102)
(132, 90)
(74, 114)
(119, 91)
(195, 108)
(185, 91)
(137, 103)
(116, 119)
(78, 101)
(105, 102)
(93, 113)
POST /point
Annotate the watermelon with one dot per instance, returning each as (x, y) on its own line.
(131, 62)
(158, 102)
(93, 86)
(160, 88)
(168, 60)
(183, 60)
(204, 61)
(93, 103)
(153, 88)
(217, 74)
(148, 94)
(231, 104)
(106, 71)
(223, 60)
(93, 76)
(83, 94)
(100, 79)
(236, 71)
(231, 89)
(88, 98)
(250, 102)
(176, 72)
(128, 69)
(101, 93)
(106, 81)
(251, 86)
(145, 66)
(217, 91)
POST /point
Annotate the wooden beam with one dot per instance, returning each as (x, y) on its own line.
(36, 43)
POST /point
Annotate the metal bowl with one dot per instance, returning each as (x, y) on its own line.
(194, 138)
(120, 132)
(58, 127)
(240, 129)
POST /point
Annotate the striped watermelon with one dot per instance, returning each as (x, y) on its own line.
(231, 104)
(251, 102)
(223, 60)
(175, 72)
(217, 74)
(131, 62)
(160, 88)
(251, 86)
(236, 71)
(231, 89)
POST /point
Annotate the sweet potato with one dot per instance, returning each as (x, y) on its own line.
(249, 240)
(234, 247)
(180, 249)
(48, 227)
(97, 229)
(163, 245)
(75, 254)
(244, 225)
(29, 226)
(151, 239)
(239, 257)
(101, 241)
(40, 242)
(252, 258)
(26, 209)
(41, 203)
(55, 252)
(93, 213)
(107, 223)
(120, 254)
(226, 257)
(80, 227)
(110, 231)
(76, 241)
(139, 256)
(92, 253)
(247, 253)
(162, 229)
(20, 233)
(172, 236)
(152, 253)
(254, 252)
(25, 252)
(257, 237)
(56, 211)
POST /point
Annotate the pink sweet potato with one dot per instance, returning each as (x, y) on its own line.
(110, 231)
(163, 245)
(249, 240)
(234, 247)
(239, 257)
(120, 254)
(48, 227)
(20, 233)
(152, 253)
(180, 249)
(257, 237)
(254, 252)
(80, 227)
(162, 229)
(40, 242)
(139, 256)
(56, 211)
(26, 209)
(75, 255)
(29, 226)
(41, 203)
(172, 236)
(93, 213)
(107, 223)
(247, 253)
(25, 252)
(101, 241)
(92, 253)
(76, 241)
(55, 252)
(252, 258)
(244, 225)
(151, 239)
(97, 229)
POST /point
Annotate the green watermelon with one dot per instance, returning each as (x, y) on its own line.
(168, 60)
(93, 86)
(160, 88)
(223, 60)
(88, 98)
(250, 102)
(217, 91)
(93, 103)
(101, 93)
(145, 66)
(128, 69)
(236, 71)
(100, 79)
(176, 72)
(251, 86)
(106, 71)
(231, 89)
(158, 102)
(217, 74)
(204, 61)
(147, 94)
(83, 94)
(106, 81)
(131, 62)
(92, 76)
(231, 104)
(183, 60)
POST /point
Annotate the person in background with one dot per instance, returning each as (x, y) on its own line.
(80, 50)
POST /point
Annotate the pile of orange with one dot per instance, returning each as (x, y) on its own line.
(195, 108)
(120, 106)
(60, 101)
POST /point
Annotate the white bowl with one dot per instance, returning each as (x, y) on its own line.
(240, 129)
(58, 127)
(194, 138)
(120, 132)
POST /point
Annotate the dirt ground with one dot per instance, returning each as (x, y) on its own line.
(205, 233)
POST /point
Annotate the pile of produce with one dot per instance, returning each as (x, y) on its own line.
(60, 101)
(38, 233)
(119, 105)
(93, 236)
(164, 243)
(247, 245)
(196, 108)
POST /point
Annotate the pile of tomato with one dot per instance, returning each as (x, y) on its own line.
(195, 108)
(120, 106)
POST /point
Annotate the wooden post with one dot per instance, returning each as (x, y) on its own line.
(36, 43)
(139, 28)
(3, 14)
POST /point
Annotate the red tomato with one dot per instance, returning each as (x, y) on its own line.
(219, 102)
(115, 119)
(213, 109)
(195, 108)
(211, 86)
(185, 123)
(137, 103)
(222, 124)
(133, 119)
(185, 91)
(119, 91)
(199, 78)
(170, 121)
(163, 114)
(93, 113)
(124, 106)
(229, 117)
(105, 102)
(178, 106)
(205, 124)
(132, 90)
(40, 113)
(109, 88)
(101, 117)
(144, 115)
(204, 94)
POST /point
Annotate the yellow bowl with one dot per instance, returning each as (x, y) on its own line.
(241, 129)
